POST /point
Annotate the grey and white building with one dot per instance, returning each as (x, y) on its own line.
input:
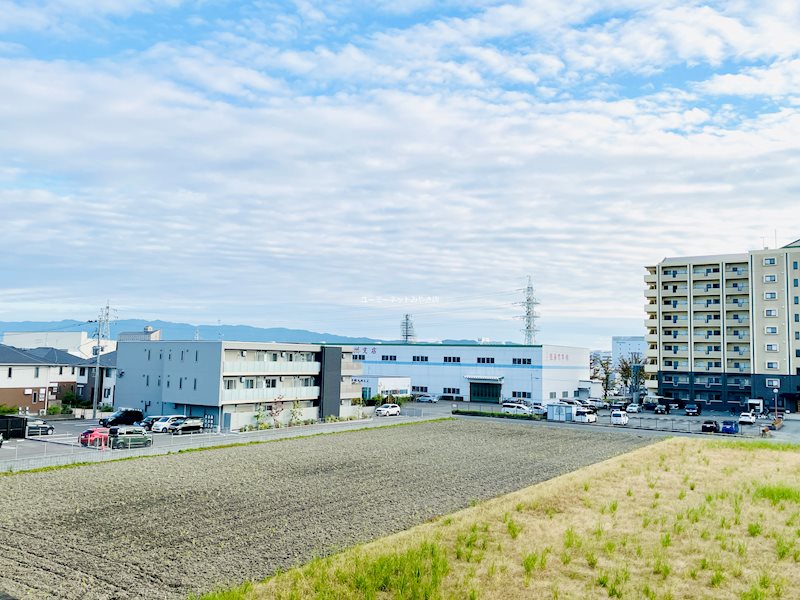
(481, 372)
(229, 383)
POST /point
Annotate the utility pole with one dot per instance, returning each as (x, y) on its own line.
(529, 304)
(103, 331)
(407, 329)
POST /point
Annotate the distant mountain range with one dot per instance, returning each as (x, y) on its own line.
(186, 331)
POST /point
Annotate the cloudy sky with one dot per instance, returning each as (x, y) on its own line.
(333, 165)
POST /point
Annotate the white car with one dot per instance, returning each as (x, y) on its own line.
(163, 423)
(516, 408)
(387, 410)
(427, 398)
(633, 408)
(584, 416)
(619, 417)
(747, 418)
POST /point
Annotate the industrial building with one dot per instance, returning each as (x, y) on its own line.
(481, 372)
(723, 329)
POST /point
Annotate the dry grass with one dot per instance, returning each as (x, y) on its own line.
(683, 518)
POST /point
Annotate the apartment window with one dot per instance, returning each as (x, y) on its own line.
(769, 261)
(148, 355)
(565, 394)
(249, 384)
(196, 355)
(452, 359)
(419, 359)
(359, 357)
(180, 383)
(419, 388)
(169, 356)
(270, 383)
(10, 371)
(36, 371)
(106, 393)
(61, 369)
(772, 365)
(158, 383)
(770, 278)
(771, 347)
(167, 381)
(230, 384)
(520, 394)
(195, 383)
(773, 383)
(771, 312)
(797, 299)
(108, 373)
(796, 282)
(552, 395)
(389, 357)
(771, 330)
(797, 318)
(160, 355)
(795, 265)
(451, 391)
(147, 380)
(770, 295)
(797, 335)
(520, 361)
(485, 360)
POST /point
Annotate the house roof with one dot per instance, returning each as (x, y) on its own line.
(9, 355)
(55, 356)
(794, 244)
(106, 360)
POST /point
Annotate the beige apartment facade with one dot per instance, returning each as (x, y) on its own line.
(723, 329)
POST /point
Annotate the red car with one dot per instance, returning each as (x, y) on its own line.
(94, 436)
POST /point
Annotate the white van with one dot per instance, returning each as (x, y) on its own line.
(515, 408)
(619, 417)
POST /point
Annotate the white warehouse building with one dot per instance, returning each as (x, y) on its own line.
(481, 372)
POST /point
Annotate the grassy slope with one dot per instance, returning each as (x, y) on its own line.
(684, 518)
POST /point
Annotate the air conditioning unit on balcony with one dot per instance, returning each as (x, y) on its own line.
(241, 379)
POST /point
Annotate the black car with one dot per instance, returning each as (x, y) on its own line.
(649, 405)
(692, 410)
(122, 417)
(661, 409)
(709, 427)
(39, 427)
(147, 422)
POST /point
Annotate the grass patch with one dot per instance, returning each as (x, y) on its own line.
(777, 494)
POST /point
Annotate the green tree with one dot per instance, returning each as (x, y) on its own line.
(631, 372)
(603, 371)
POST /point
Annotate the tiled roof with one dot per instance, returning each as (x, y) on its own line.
(14, 356)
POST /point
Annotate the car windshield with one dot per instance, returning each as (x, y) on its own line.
(163, 419)
(386, 405)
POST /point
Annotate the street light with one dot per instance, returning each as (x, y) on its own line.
(776, 391)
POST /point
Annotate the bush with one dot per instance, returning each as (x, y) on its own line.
(66, 410)
(53, 410)
(8, 410)
(480, 413)
(105, 408)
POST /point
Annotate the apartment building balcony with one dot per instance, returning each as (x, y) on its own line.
(705, 274)
(703, 353)
(706, 319)
(350, 390)
(706, 336)
(704, 368)
(742, 305)
(651, 385)
(707, 303)
(651, 368)
(737, 322)
(674, 274)
(651, 322)
(737, 288)
(737, 273)
(682, 352)
(232, 368)
(705, 290)
(651, 338)
(651, 293)
(741, 336)
(675, 305)
(677, 290)
(738, 366)
(289, 394)
(651, 353)
(351, 368)
(737, 350)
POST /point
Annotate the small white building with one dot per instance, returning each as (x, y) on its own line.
(377, 385)
(481, 372)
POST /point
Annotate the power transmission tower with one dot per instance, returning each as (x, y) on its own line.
(103, 333)
(530, 315)
(407, 329)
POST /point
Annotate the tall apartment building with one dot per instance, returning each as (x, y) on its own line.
(228, 383)
(722, 329)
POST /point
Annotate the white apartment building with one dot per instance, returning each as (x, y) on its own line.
(481, 372)
(228, 383)
(32, 380)
(725, 328)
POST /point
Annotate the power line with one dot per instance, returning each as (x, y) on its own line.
(407, 329)
(529, 304)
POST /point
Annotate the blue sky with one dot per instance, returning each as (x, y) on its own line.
(331, 166)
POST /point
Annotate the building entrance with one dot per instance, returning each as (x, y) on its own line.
(485, 392)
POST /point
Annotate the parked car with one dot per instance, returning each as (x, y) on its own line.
(94, 436)
(619, 417)
(692, 409)
(538, 409)
(729, 427)
(649, 405)
(147, 422)
(747, 418)
(39, 427)
(129, 437)
(710, 427)
(584, 416)
(661, 409)
(586, 405)
(122, 417)
(633, 408)
(387, 410)
(598, 403)
(618, 406)
(1, 440)
(516, 408)
(187, 425)
(427, 398)
(163, 423)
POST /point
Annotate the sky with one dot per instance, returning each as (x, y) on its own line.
(334, 165)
